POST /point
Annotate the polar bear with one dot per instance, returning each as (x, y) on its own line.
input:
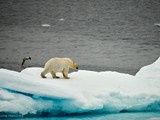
(55, 65)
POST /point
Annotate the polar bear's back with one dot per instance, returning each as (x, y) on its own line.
(58, 64)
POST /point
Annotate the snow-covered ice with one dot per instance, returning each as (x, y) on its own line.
(26, 92)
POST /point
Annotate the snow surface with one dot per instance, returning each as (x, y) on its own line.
(26, 92)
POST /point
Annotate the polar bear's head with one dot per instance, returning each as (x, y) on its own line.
(74, 65)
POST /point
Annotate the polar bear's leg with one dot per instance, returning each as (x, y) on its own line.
(44, 73)
(65, 73)
(54, 74)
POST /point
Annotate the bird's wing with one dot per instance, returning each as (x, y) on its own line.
(23, 62)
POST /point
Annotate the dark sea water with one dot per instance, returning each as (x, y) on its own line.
(100, 35)
(120, 116)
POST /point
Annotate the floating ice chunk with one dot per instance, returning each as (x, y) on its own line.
(87, 91)
(61, 19)
(157, 24)
(46, 25)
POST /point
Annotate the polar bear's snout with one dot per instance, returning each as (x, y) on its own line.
(77, 67)
(74, 66)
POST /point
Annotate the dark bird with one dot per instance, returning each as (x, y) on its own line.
(24, 59)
